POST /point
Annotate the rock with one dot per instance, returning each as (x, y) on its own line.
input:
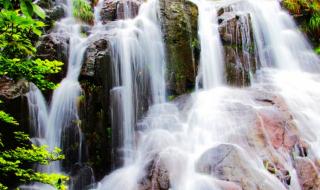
(45, 4)
(55, 13)
(55, 46)
(275, 124)
(10, 89)
(81, 177)
(239, 48)
(116, 9)
(179, 24)
(13, 95)
(226, 185)
(227, 162)
(307, 174)
(96, 56)
(95, 116)
(157, 177)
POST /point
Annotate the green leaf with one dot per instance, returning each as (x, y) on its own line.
(24, 8)
(38, 11)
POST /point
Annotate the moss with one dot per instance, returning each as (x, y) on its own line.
(180, 24)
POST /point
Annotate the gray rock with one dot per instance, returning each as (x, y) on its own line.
(116, 9)
(241, 59)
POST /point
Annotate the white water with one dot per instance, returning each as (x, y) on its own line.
(53, 123)
(222, 115)
(138, 67)
(213, 116)
(211, 59)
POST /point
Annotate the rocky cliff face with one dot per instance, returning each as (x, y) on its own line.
(96, 82)
(179, 20)
(241, 59)
(116, 9)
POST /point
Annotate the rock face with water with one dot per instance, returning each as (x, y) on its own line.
(157, 177)
(179, 22)
(96, 81)
(226, 163)
(116, 9)
(55, 46)
(239, 49)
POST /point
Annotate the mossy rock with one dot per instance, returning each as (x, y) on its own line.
(180, 24)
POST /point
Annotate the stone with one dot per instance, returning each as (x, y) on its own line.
(307, 174)
(157, 177)
(116, 9)
(241, 59)
(228, 163)
(81, 176)
(13, 96)
(275, 124)
(179, 19)
(55, 46)
(95, 116)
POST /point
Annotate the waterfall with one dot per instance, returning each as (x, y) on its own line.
(224, 137)
(61, 119)
(211, 59)
(139, 62)
(218, 137)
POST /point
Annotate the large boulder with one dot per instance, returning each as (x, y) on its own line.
(228, 163)
(96, 82)
(55, 46)
(179, 20)
(239, 48)
(116, 9)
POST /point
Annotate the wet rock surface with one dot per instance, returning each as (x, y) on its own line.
(55, 46)
(226, 162)
(157, 177)
(179, 20)
(96, 82)
(308, 174)
(241, 59)
(116, 9)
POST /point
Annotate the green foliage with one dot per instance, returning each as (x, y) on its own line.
(16, 163)
(314, 22)
(27, 7)
(317, 50)
(7, 118)
(308, 12)
(307, 8)
(17, 34)
(82, 10)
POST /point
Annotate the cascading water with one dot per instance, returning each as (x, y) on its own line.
(211, 59)
(139, 62)
(62, 118)
(219, 128)
(228, 129)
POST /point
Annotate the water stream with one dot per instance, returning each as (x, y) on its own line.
(174, 142)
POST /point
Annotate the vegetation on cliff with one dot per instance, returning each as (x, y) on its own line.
(307, 13)
(82, 10)
(19, 31)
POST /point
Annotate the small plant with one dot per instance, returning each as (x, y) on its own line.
(18, 34)
(82, 10)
